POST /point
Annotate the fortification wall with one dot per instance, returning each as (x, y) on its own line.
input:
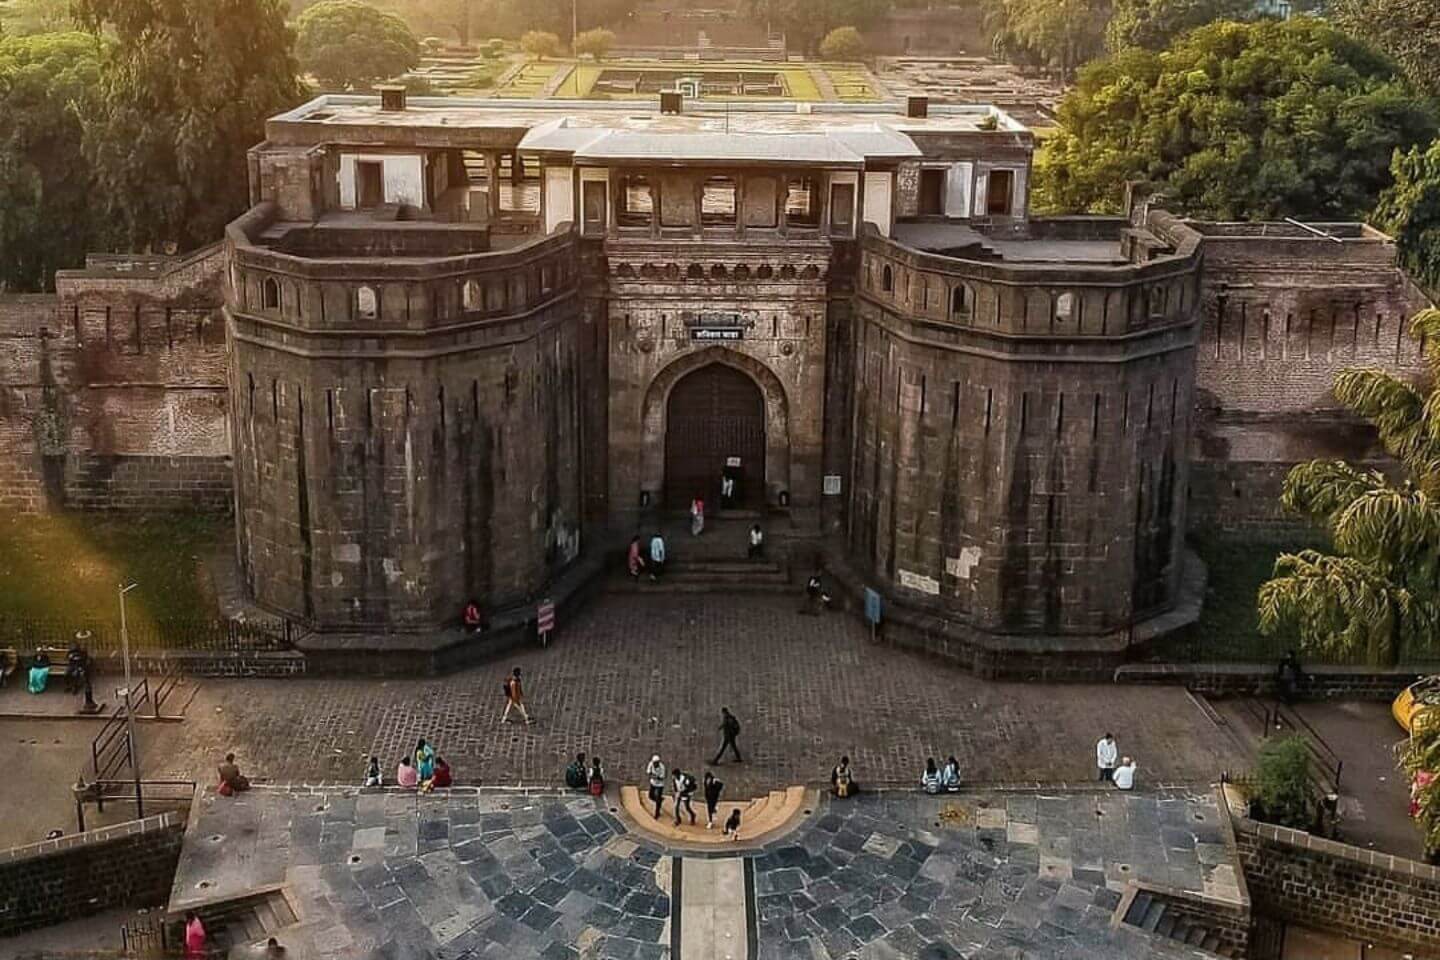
(408, 434)
(1019, 450)
(112, 391)
(1284, 311)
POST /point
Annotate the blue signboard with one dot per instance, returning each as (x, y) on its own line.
(872, 606)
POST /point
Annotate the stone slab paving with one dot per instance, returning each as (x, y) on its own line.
(882, 877)
(640, 674)
(390, 875)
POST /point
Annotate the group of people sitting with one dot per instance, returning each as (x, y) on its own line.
(944, 779)
(579, 776)
(77, 668)
(424, 770)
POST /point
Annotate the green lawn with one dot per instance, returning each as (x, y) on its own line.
(66, 567)
(579, 83)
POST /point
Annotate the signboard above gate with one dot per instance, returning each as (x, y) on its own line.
(717, 333)
(709, 325)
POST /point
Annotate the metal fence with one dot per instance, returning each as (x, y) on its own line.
(100, 637)
(1197, 646)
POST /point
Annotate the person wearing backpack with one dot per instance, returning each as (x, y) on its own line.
(684, 790)
(514, 697)
(713, 786)
(729, 730)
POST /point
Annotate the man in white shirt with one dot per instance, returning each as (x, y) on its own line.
(1105, 754)
(1124, 777)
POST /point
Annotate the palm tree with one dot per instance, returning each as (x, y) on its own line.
(1378, 590)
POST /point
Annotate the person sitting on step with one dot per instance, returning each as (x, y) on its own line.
(732, 825)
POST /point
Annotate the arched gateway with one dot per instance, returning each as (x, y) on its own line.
(714, 427)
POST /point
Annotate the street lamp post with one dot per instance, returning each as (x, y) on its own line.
(129, 705)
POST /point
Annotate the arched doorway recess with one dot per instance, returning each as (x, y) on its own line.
(715, 426)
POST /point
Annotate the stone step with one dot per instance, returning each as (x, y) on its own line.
(758, 817)
(700, 586)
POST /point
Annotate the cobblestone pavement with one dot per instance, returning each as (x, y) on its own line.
(637, 674)
(909, 876)
(392, 876)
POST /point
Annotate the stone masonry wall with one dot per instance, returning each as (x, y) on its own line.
(1283, 312)
(1359, 893)
(112, 391)
(127, 865)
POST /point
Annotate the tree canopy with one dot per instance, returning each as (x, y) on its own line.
(20, 18)
(347, 44)
(1236, 121)
(1155, 24)
(46, 188)
(842, 43)
(540, 44)
(1408, 30)
(185, 89)
(596, 42)
(1377, 591)
(806, 22)
(1410, 211)
(1058, 34)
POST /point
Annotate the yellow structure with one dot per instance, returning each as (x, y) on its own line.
(1418, 698)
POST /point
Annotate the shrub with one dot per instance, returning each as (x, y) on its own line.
(842, 43)
(1281, 791)
(595, 42)
(540, 44)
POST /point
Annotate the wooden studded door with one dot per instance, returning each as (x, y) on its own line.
(714, 415)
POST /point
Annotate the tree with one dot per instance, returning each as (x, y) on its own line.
(596, 43)
(1378, 589)
(1155, 24)
(842, 43)
(185, 89)
(448, 16)
(1408, 30)
(348, 44)
(540, 44)
(1410, 211)
(46, 186)
(1236, 121)
(1280, 791)
(20, 18)
(806, 22)
(1420, 758)
(1059, 34)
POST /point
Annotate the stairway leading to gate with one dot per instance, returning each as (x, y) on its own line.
(717, 561)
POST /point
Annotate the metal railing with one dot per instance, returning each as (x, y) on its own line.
(138, 792)
(101, 637)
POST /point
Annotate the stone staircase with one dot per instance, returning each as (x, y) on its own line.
(247, 921)
(715, 562)
(758, 818)
(1154, 915)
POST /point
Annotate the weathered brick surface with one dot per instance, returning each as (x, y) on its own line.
(112, 391)
(1359, 893)
(127, 865)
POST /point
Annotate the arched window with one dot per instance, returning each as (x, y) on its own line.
(694, 272)
(960, 300)
(887, 280)
(367, 305)
(472, 294)
(270, 296)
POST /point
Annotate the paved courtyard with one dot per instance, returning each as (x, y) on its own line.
(642, 674)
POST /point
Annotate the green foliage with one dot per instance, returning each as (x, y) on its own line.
(185, 90)
(540, 44)
(346, 44)
(1280, 791)
(1378, 589)
(842, 43)
(1058, 34)
(46, 188)
(1155, 24)
(596, 43)
(1420, 754)
(1410, 211)
(22, 18)
(482, 77)
(1236, 121)
(806, 22)
(494, 47)
(1408, 30)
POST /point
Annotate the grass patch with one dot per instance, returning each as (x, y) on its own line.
(67, 567)
(530, 79)
(852, 83)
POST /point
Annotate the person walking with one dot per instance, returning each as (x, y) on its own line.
(729, 730)
(1106, 753)
(815, 596)
(757, 544)
(684, 789)
(727, 491)
(514, 698)
(655, 774)
(713, 786)
(697, 517)
(657, 556)
(634, 562)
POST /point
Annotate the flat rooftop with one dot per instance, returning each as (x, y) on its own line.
(332, 114)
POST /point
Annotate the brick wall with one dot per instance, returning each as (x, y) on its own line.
(127, 865)
(1359, 893)
(1258, 680)
(112, 391)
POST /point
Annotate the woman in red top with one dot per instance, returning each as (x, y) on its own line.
(633, 560)
(440, 777)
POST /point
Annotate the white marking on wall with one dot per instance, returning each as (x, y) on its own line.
(877, 201)
(961, 566)
(918, 582)
(559, 197)
(958, 183)
(982, 193)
